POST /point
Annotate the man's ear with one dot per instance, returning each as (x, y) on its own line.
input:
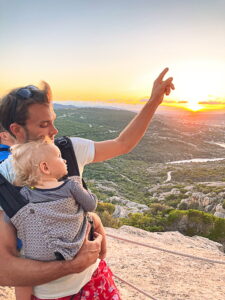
(17, 130)
(44, 167)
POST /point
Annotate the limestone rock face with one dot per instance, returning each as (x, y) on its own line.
(124, 207)
(220, 211)
(198, 201)
(162, 275)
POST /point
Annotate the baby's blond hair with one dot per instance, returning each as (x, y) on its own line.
(26, 160)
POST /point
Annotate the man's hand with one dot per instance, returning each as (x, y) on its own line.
(88, 254)
(161, 87)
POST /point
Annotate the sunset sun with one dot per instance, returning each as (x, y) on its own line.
(194, 106)
(198, 84)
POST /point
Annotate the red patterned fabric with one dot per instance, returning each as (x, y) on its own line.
(100, 287)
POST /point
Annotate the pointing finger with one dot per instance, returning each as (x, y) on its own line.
(162, 74)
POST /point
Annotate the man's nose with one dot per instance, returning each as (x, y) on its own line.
(54, 130)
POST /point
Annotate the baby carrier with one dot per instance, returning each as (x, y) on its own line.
(14, 203)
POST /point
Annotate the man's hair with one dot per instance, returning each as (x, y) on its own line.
(26, 159)
(14, 101)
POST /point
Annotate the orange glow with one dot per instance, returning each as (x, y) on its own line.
(194, 106)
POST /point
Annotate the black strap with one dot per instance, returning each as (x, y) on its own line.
(5, 149)
(66, 147)
(10, 198)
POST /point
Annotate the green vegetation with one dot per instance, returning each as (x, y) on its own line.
(208, 189)
(109, 207)
(105, 211)
(194, 222)
(140, 175)
(194, 172)
(143, 221)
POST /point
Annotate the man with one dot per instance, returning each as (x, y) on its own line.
(27, 113)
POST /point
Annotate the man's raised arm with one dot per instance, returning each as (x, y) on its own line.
(135, 130)
(16, 271)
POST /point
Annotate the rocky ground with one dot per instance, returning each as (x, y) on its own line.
(205, 196)
(162, 275)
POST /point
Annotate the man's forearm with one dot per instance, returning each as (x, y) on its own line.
(17, 271)
(136, 129)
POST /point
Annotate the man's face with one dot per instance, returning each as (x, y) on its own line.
(40, 123)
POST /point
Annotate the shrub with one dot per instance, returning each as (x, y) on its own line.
(183, 206)
(108, 220)
(144, 221)
(109, 207)
(156, 208)
(194, 222)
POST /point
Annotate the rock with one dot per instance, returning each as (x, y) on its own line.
(220, 211)
(189, 187)
(164, 275)
(209, 208)
(106, 188)
(219, 208)
(120, 212)
(175, 191)
(124, 207)
(219, 214)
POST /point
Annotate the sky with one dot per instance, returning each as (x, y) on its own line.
(111, 51)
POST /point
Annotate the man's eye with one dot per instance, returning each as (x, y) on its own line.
(43, 125)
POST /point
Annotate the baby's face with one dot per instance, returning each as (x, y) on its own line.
(56, 164)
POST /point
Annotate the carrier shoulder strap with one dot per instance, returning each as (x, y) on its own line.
(10, 198)
(66, 147)
(5, 149)
(2, 149)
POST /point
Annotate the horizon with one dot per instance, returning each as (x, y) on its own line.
(136, 107)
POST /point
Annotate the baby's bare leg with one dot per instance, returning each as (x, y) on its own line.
(23, 293)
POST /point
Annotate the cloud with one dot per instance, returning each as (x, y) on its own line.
(212, 102)
(182, 101)
(175, 102)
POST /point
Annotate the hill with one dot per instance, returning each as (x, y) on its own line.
(146, 180)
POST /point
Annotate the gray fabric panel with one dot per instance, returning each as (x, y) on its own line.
(53, 221)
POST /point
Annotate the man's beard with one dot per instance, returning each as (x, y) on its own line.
(28, 137)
